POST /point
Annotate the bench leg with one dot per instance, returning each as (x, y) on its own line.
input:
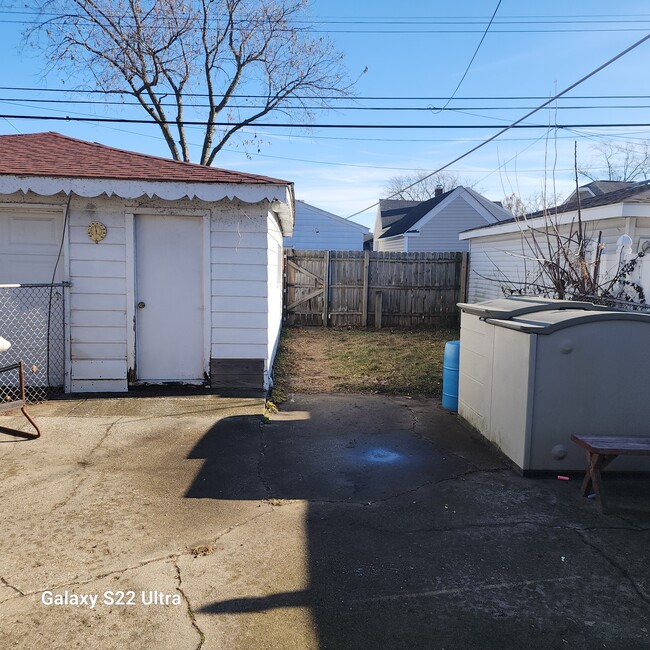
(595, 464)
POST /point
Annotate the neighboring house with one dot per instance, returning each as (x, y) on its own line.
(501, 258)
(598, 188)
(175, 269)
(433, 225)
(316, 229)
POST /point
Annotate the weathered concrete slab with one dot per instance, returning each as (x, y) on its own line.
(345, 522)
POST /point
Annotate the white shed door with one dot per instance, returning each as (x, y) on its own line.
(169, 298)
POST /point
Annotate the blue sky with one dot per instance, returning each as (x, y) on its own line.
(532, 49)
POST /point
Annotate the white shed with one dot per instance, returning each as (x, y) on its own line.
(174, 269)
(501, 260)
(319, 230)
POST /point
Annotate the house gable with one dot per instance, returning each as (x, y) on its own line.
(438, 230)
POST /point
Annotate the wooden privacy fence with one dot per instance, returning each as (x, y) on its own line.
(361, 288)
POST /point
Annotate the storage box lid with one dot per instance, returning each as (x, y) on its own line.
(519, 305)
(547, 322)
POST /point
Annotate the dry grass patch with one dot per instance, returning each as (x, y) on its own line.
(396, 362)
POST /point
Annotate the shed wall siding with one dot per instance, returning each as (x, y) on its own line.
(440, 233)
(239, 278)
(98, 329)
(245, 283)
(274, 323)
(315, 230)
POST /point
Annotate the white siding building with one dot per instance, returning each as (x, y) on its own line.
(433, 225)
(174, 269)
(502, 261)
(318, 230)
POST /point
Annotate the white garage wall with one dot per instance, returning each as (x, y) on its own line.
(275, 262)
(245, 282)
(500, 262)
(97, 297)
(239, 282)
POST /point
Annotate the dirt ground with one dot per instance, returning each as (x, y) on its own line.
(333, 360)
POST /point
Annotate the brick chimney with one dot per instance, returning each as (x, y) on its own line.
(438, 190)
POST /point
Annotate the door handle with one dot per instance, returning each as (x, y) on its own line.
(141, 305)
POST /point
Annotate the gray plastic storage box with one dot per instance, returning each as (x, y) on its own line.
(533, 371)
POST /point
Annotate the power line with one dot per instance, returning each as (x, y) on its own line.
(515, 29)
(469, 65)
(307, 125)
(517, 122)
(405, 20)
(40, 89)
(428, 109)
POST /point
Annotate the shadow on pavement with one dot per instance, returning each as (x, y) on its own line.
(419, 538)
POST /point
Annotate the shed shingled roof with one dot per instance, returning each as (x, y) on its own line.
(56, 155)
(638, 193)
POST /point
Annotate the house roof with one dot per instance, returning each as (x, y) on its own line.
(408, 216)
(59, 156)
(638, 193)
(596, 188)
(399, 216)
(302, 207)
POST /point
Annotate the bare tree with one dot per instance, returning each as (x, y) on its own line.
(521, 206)
(563, 259)
(618, 162)
(397, 187)
(228, 61)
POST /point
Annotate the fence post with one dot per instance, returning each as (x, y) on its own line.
(326, 289)
(378, 309)
(364, 294)
(463, 276)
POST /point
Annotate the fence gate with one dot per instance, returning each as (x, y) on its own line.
(32, 320)
(306, 287)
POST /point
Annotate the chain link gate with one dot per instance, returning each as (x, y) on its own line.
(32, 320)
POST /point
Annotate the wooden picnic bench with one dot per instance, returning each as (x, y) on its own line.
(601, 451)
(19, 403)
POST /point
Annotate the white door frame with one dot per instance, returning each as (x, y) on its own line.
(131, 290)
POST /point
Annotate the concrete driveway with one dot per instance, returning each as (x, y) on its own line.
(345, 522)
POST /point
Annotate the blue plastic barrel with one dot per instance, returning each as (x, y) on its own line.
(450, 376)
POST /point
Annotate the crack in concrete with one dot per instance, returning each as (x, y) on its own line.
(454, 591)
(613, 562)
(409, 491)
(484, 525)
(188, 605)
(6, 584)
(438, 447)
(260, 462)
(132, 567)
(74, 408)
(438, 481)
(414, 417)
(630, 522)
(83, 463)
